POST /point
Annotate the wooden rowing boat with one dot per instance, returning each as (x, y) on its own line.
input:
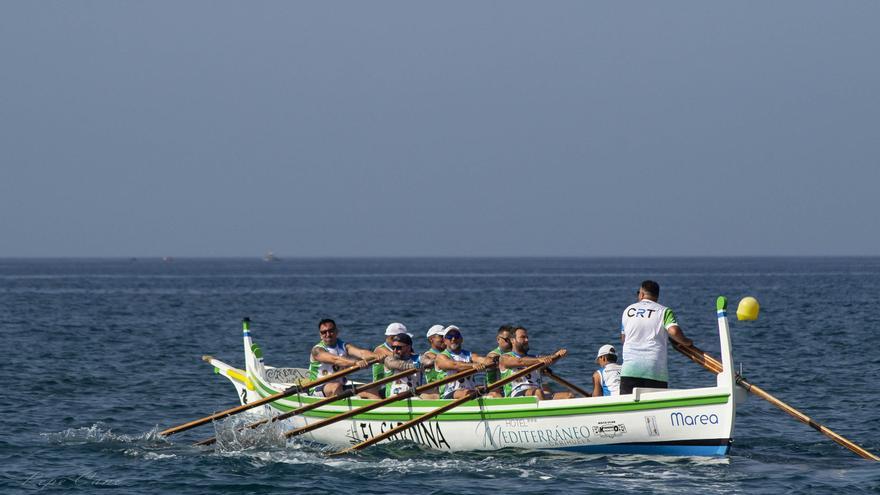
(686, 422)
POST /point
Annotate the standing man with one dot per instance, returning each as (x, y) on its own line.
(644, 330)
(330, 355)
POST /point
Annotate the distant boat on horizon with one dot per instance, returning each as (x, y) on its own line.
(270, 256)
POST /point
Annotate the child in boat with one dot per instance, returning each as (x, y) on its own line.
(606, 380)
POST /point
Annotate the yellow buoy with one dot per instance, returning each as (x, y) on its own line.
(748, 309)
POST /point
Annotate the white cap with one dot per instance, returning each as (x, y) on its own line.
(606, 349)
(436, 330)
(451, 328)
(395, 328)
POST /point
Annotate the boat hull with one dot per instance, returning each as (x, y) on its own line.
(693, 422)
(685, 422)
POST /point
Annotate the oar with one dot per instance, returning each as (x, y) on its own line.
(265, 400)
(442, 409)
(314, 405)
(715, 366)
(394, 398)
(566, 383)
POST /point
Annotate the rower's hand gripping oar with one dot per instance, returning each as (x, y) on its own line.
(713, 365)
(265, 400)
(447, 407)
(314, 405)
(394, 398)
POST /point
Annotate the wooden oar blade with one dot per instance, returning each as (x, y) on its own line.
(713, 365)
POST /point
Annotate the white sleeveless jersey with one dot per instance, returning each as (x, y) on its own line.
(466, 383)
(644, 326)
(610, 379)
(523, 383)
(407, 382)
(318, 369)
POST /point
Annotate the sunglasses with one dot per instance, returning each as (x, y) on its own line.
(398, 347)
(328, 332)
(452, 336)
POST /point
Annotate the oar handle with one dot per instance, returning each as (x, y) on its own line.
(714, 366)
(265, 400)
(447, 407)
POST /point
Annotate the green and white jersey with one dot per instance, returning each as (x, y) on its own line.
(523, 383)
(433, 374)
(405, 383)
(644, 326)
(466, 383)
(492, 374)
(378, 369)
(318, 369)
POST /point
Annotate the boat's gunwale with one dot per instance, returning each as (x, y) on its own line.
(501, 408)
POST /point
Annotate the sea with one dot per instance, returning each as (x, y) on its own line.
(100, 354)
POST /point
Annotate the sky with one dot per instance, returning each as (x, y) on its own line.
(216, 128)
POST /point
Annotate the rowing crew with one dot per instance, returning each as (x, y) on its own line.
(445, 357)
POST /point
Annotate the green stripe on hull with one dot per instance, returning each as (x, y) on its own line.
(264, 391)
(535, 413)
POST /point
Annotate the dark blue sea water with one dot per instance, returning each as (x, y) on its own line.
(98, 353)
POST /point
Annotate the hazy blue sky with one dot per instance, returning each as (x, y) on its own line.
(445, 128)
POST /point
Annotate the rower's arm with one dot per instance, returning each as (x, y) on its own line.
(382, 351)
(485, 360)
(392, 363)
(597, 384)
(427, 359)
(509, 361)
(360, 353)
(328, 358)
(446, 364)
(677, 335)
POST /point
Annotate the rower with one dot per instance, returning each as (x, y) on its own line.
(503, 338)
(404, 359)
(437, 346)
(455, 359)
(531, 383)
(330, 355)
(384, 350)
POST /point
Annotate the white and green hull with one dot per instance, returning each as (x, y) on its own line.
(666, 422)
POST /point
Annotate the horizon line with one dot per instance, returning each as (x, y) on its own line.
(281, 258)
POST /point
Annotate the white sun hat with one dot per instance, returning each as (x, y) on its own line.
(395, 328)
(606, 349)
(436, 330)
